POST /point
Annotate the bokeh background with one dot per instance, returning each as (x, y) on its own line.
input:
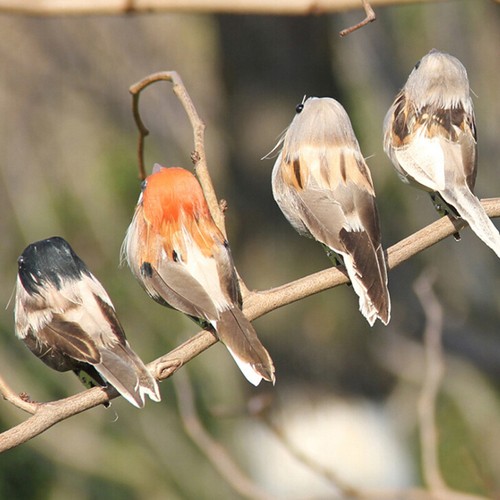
(346, 394)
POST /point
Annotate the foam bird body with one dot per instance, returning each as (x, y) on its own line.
(323, 186)
(182, 260)
(430, 136)
(66, 318)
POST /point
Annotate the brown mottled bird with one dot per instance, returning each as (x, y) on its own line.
(324, 188)
(66, 318)
(430, 136)
(182, 260)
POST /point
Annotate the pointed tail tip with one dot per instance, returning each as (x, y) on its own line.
(137, 397)
(266, 372)
(152, 392)
(255, 372)
(371, 315)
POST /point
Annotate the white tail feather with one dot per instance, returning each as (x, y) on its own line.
(471, 210)
(247, 369)
(366, 306)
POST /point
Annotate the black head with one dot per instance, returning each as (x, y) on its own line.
(49, 261)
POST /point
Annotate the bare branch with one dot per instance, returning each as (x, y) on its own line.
(21, 401)
(257, 304)
(347, 490)
(369, 18)
(212, 449)
(48, 414)
(109, 7)
(432, 382)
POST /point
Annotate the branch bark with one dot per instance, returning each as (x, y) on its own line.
(111, 7)
(256, 304)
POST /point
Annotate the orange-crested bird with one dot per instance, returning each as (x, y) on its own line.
(430, 136)
(66, 318)
(324, 188)
(182, 260)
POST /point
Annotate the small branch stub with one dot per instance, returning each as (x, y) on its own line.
(370, 17)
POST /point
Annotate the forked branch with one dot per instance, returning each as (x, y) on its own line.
(257, 303)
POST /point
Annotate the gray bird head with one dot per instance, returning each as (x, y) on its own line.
(438, 79)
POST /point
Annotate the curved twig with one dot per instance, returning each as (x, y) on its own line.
(369, 18)
(198, 156)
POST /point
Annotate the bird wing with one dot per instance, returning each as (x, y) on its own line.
(173, 285)
(431, 146)
(335, 201)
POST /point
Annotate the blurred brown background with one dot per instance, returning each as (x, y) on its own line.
(68, 168)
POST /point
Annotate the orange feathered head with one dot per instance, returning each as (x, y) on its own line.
(173, 200)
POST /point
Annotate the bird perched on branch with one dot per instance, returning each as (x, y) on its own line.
(66, 318)
(324, 188)
(182, 260)
(430, 136)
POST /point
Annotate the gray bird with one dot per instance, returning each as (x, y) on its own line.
(324, 188)
(430, 136)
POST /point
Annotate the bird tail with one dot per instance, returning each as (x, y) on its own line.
(124, 370)
(471, 211)
(366, 268)
(238, 335)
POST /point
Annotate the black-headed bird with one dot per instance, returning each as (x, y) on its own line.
(66, 318)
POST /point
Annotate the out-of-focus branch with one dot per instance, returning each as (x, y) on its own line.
(329, 475)
(433, 376)
(218, 456)
(465, 385)
(276, 7)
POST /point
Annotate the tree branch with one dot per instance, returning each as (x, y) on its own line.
(369, 18)
(256, 304)
(111, 7)
(432, 382)
(45, 415)
(211, 448)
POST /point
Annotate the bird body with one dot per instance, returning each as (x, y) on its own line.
(430, 136)
(324, 188)
(66, 318)
(182, 260)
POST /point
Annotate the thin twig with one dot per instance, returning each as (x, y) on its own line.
(347, 490)
(465, 385)
(370, 17)
(198, 155)
(19, 401)
(432, 382)
(212, 449)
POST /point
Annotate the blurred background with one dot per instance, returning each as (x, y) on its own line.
(346, 394)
